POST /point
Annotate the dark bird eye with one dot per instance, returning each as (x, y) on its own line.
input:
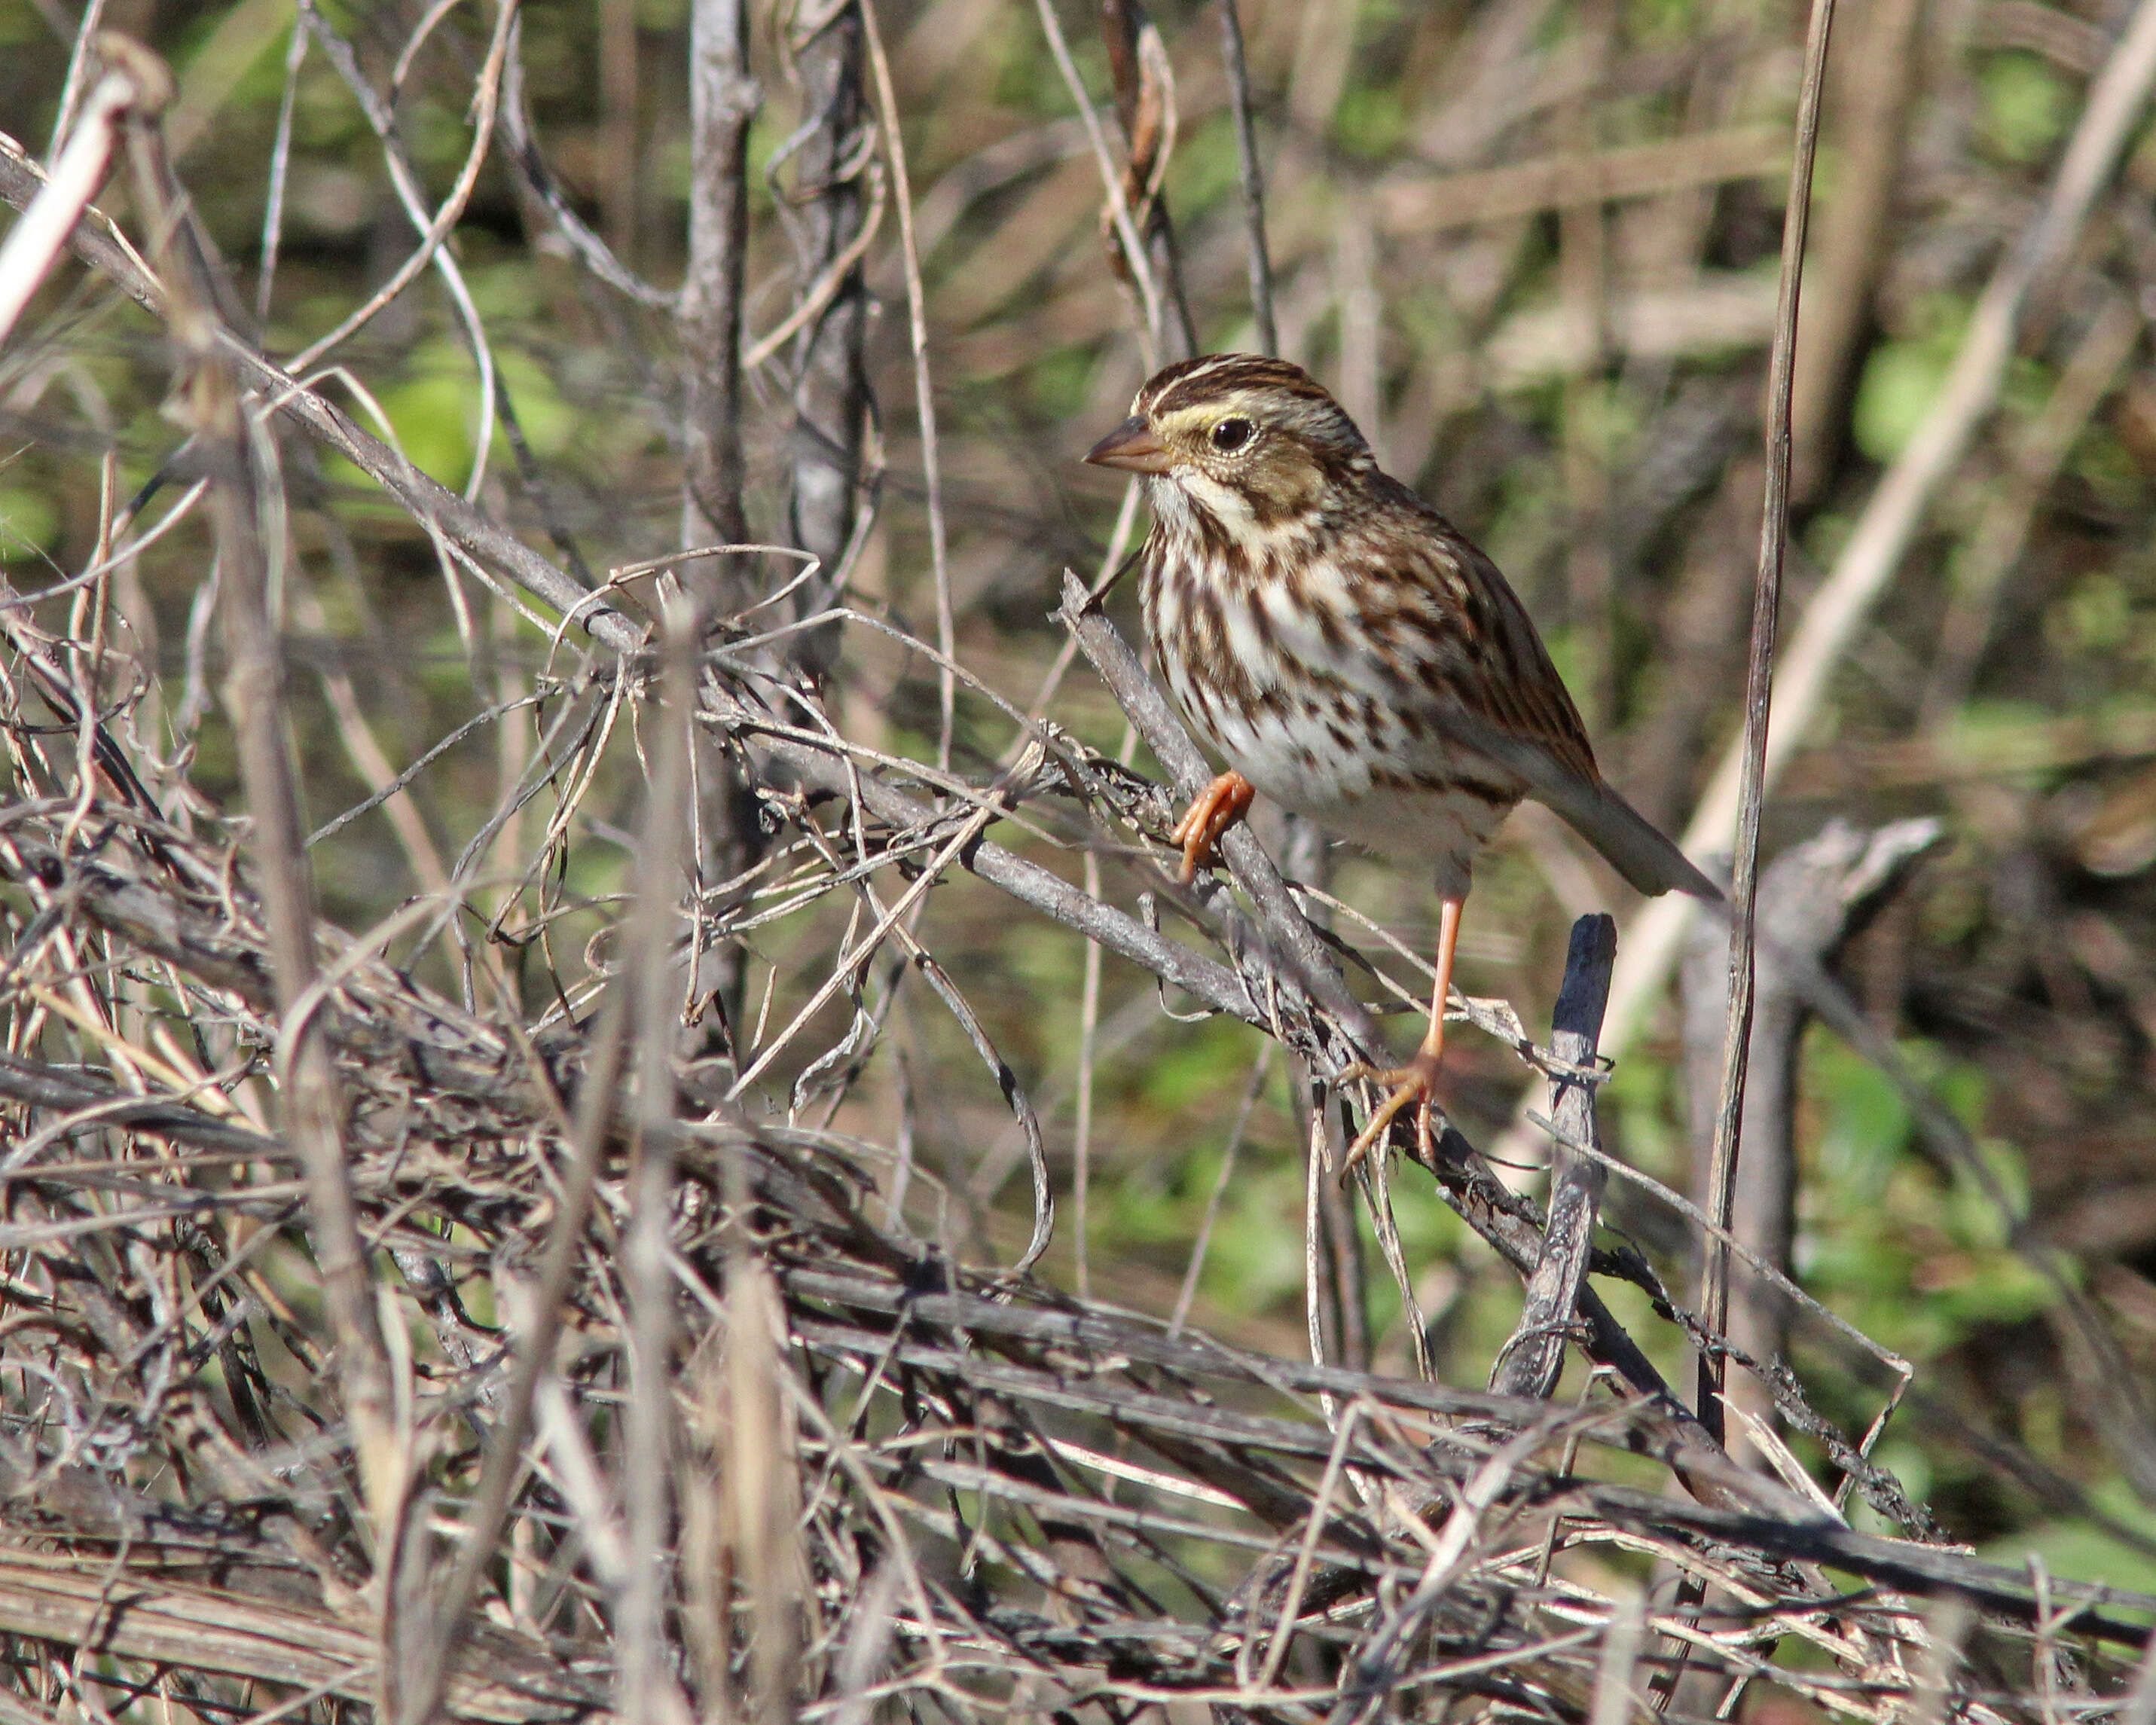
(1232, 434)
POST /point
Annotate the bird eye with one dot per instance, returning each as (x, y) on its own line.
(1231, 433)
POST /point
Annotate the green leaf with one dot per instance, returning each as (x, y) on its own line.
(1902, 380)
(2026, 106)
(29, 522)
(2077, 1551)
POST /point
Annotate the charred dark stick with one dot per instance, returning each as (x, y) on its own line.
(1534, 1358)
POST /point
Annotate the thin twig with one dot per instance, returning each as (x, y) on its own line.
(656, 990)
(35, 240)
(1256, 252)
(1134, 251)
(1890, 519)
(1758, 698)
(534, 1350)
(924, 392)
(313, 1111)
(432, 505)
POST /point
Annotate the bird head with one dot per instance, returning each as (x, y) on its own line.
(1239, 435)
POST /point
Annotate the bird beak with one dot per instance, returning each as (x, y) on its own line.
(1132, 446)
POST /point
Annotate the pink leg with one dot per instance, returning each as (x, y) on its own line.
(1216, 808)
(1416, 1081)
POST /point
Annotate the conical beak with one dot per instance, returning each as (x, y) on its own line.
(1132, 446)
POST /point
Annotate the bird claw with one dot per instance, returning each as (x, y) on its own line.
(1416, 1082)
(1206, 821)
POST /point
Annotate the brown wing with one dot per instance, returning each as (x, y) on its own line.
(1516, 687)
(1474, 643)
(1499, 694)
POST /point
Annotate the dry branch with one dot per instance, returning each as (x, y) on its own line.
(872, 1315)
(147, 1612)
(1419, 202)
(1531, 1362)
(1874, 547)
(1812, 899)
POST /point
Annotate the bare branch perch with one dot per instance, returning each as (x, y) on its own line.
(1534, 1358)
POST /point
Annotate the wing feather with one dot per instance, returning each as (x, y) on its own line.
(1501, 697)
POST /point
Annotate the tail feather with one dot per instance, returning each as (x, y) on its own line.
(1634, 846)
(1613, 826)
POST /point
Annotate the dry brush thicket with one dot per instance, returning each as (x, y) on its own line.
(556, 822)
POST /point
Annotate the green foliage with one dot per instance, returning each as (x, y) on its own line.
(1661, 22)
(2095, 615)
(2101, 461)
(1025, 78)
(1917, 1258)
(1204, 1064)
(1996, 731)
(29, 523)
(1207, 167)
(431, 408)
(1902, 379)
(2027, 105)
(1568, 651)
(1255, 1263)
(667, 163)
(2081, 1550)
(1643, 1104)
(1370, 122)
(1062, 383)
(432, 411)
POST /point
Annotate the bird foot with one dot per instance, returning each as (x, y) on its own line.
(1216, 808)
(1414, 1083)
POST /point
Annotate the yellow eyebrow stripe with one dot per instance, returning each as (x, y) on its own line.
(1194, 420)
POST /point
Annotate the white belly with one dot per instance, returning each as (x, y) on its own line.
(1351, 762)
(1374, 796)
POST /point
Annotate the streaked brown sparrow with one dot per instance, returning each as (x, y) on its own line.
(1350, 653)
